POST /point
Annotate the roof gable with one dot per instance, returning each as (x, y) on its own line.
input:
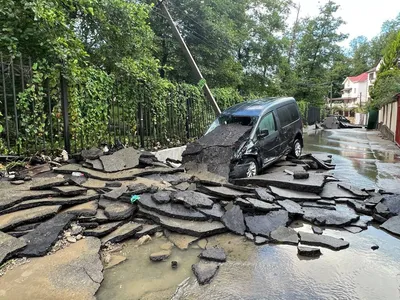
(360, 78)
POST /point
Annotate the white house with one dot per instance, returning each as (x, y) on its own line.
(355, 91)
(372, 74)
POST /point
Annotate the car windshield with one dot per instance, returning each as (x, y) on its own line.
(229, 119)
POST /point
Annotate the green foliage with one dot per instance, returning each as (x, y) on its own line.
(385, 88)
(120, 57)
(227, 97)
(391, 55)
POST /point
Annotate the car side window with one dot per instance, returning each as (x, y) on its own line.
(267, 122)
(284, 116)
(294, 113)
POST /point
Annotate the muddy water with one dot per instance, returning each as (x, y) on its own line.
(275, 271)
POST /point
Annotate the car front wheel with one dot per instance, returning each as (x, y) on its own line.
(252, 169)
(297, 149)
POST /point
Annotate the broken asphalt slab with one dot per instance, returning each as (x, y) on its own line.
(9, 246)
(320, 216)
(118, 176)
(265, 224)
(323, 241)
(102, 230)
(173, 210)
(43, 237)
(213, 254)
(284, 235)
(392, 202)
(224, 192)
(92, 153)
(9, 198)
(205, 272)
(49, 183)
(233, 219)
(117, 211)
(63, 201)
(148, 229)
(114, 194)
(123, 159)
(215, 150)
(69, 191)
(193, 228)
(264, 195)
(31, 215)
(181, 241)
(87, 209)
(74, 272)
(122, 233)
(314, 184)
(291, 207)
(308, 251)
(354, 190)
(331, 190)
(261, 206)
(215, 213)
(192, 199)
(162, 197)
(293, 195)
(392, 225)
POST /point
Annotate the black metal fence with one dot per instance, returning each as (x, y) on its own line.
(313, 115)
(37, 116)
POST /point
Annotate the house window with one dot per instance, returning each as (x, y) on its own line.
(355, 91)
(371, 76)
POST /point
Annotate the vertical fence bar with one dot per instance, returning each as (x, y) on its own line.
(15, 103)
(50, 116)
(5, 101)
(141, 129)
(33, 105)
(64, 108)
(187, 117)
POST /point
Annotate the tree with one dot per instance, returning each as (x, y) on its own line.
(316, 53)
(388, 80)
(392, 55)
(361, 56)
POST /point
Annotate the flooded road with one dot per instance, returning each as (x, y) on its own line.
(275, 271)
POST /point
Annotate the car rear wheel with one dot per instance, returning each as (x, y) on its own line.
(297, 149)
(252, 169)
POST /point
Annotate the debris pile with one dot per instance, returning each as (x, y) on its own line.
(130, 194)
(214, 151)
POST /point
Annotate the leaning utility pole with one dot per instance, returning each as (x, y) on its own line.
(190, 58)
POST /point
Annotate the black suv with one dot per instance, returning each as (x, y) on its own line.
(276, 131)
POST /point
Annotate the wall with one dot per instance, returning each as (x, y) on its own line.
(388, 120)
(360, 87)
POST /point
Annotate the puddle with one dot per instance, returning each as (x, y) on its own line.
(276, 272)
(138, 277)
(355, 155)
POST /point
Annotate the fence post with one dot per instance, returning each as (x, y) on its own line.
(141, 126)
(5, 101)
(187, 117)
(64, 108)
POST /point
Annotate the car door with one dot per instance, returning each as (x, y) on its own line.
(286, 131)
(268, 139)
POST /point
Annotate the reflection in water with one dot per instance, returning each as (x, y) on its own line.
(354, 154)
(275, 271)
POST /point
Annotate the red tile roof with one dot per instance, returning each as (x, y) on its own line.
(360, 78)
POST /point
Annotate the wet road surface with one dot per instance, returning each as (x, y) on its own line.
(275, 271)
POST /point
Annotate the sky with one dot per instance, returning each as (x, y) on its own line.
(363, 17)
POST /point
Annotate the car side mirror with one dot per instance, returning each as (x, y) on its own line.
(263, 133)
